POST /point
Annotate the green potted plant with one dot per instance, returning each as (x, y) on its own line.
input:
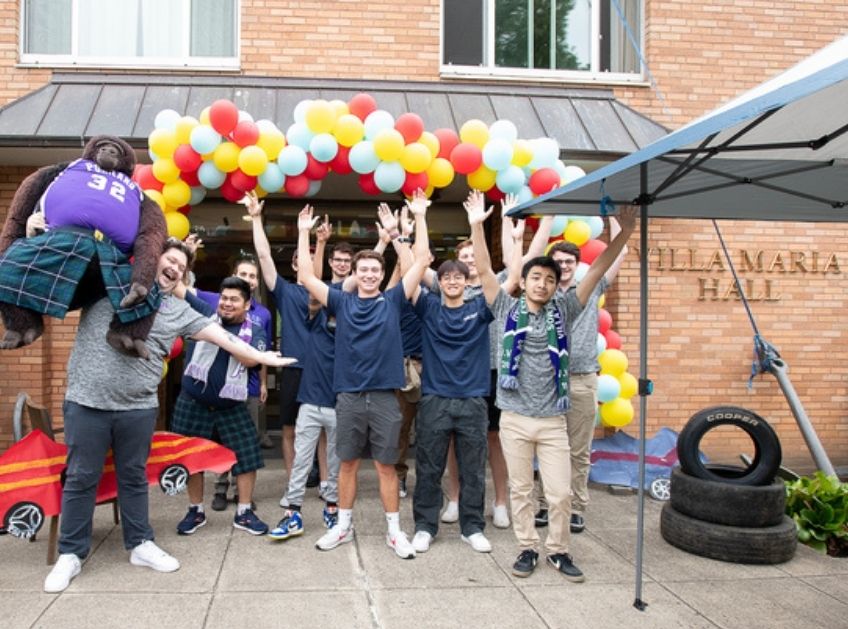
(819, 506)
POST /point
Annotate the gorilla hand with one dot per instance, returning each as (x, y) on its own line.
(137, 294)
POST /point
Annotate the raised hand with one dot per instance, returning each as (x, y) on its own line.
(388, 218)
(475, 206)
(383, 234)
(253, 204)
(407, 226)
(305, 220)
(508, 202)
(627, 217)
(517, 231)
(325, 230)
(419, 202)
(193, 242)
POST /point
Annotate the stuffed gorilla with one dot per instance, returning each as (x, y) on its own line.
(96, 217)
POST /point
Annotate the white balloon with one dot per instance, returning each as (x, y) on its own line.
(376, 121)
(601, 343)
(503, 130)
(243, 115)
(572, 173)
(596, 226)
(166, 119)
(300, 111)
(580, 271)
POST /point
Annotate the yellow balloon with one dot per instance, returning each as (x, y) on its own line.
(388, 145)
(203, 118)
(272, 142)
(340, 107)
(157, 196)
(320, 116)
(176, 193)
(613, 362)
(162, 142)
(165, 170)
(577, 232)
(348, 130)
(629, 385)
(617, 412)
(522, 153)
(428, 192)
(183, 129)
(178, 224)
(431, 142)
(164, 368)
(482, 179)
(440, 173)
(416, 158)
(252, 160)
(226, 156)
(602, 301)
(260, 191)
(476, 132)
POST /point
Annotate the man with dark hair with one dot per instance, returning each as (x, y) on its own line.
(212, 398)
(533, 391)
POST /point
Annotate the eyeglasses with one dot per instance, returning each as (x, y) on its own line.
(569, 262)
(340, 260)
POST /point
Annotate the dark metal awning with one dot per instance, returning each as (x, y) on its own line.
(588, 124)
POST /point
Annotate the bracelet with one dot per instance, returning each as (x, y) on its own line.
(404, 239)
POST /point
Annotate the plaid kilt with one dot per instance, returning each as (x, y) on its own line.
(42, 273)
(235, 429)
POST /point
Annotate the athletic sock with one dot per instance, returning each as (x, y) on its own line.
(345, 518)
(393, 520)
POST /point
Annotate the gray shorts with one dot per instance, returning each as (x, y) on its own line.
(369, 417)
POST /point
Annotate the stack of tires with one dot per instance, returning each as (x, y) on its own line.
(729, 513)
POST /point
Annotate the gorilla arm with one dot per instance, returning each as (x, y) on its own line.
(25, 201)
(152, 232)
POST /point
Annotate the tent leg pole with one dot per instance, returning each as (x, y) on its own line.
(779, 370)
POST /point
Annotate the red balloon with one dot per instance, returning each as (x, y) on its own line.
(367, 184)
(223, 115)
(448, 139)
(532, 223)
(184, 210)
(245, 133)
(613, 339)
(494, 194)
(361, 105)
(315, 170)
(341, 162)
(190, 177)
(143, 176)
(176, 348)
(413, 182)
(240, 181)
(297, 185)
(591, 250)
(544, 180)
(186, 158)
(466, 158)
(230, 192)
(604, 319)
(410, 126)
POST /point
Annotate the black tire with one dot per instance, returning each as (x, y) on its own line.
(761, 545)
(748, 506)
(174, 479)
(767, 452)
(23, 519)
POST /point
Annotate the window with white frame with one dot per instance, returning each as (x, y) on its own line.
(146, 33)
(579, 39)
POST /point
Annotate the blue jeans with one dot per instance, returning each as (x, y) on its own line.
(89, 433)
(439, 419)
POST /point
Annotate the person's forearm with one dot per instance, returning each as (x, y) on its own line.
(422, 240)
(318, 258)
(481, 252)
(540, 239)
(305, 271)
(263, 253)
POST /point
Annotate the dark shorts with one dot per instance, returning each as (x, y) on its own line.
(494, 411)
(369, 417)
(233, 425)
(289, 385)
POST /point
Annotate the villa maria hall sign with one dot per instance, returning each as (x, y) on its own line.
(759, 270)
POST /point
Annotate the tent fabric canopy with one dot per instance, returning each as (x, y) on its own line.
(777, 152)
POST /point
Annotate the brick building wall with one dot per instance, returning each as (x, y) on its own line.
(699, 54)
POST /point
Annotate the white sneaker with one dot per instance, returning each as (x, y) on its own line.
(421, 541)
(284, 502)
(67, 566)
(400, 544)
(478, 542)
(500, 516)
(451, 513)
(336, 536)
(150, 555)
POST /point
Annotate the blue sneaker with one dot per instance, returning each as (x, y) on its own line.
(331, 518)
(290, 526)
(192, 521)
(248, 521)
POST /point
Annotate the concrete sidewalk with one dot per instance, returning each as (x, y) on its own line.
(231, 579)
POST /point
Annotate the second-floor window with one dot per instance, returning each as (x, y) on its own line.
(555, 38)
(166, 33)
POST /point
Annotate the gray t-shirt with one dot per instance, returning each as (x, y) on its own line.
(583, 339)
(536, 395)
(101, 377)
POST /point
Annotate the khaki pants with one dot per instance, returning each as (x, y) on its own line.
(580, 422)
(546, 438)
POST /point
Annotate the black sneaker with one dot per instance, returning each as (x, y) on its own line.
(402, 493)
(565, 565)
(526, 563)
(541, 518)
(219, 502)
(577, 523)
(192, 521)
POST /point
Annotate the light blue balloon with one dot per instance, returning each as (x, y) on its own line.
(545, 153)
(314, 188)
(323, 147)
(272, 179)
(299, 135)
(510, 180)
(609, 388)
(559, 224)
(601, 345)
(198, 193)
(204, 139)
(503, 130)
(596, 226)
(292, 160)
(166, 119)
(497, 154)
(559, 167)
(525, 194)
(300, 111)
(153, 156)
(389, 176)
(580, 271)
(362, 157)
(376, 121)
(209, 175)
